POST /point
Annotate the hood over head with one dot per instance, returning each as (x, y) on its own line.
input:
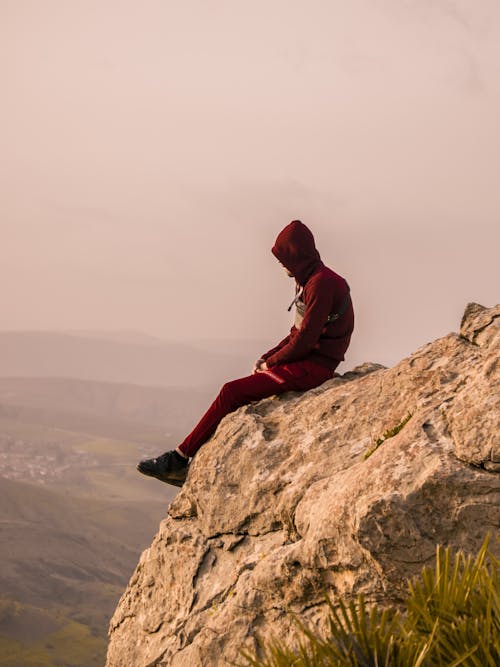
(295, 249)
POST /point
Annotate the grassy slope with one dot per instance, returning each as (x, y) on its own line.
(75, 514)
(70, 558)
(66, 644)
(59, 548)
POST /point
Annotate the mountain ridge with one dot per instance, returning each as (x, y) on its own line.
(172, 364)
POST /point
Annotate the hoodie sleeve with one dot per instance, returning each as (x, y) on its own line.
(318, 298)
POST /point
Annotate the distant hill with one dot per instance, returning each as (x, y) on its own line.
(60, 543)
(64, 561)
(68, 539)
(123, 357)
(133, 412)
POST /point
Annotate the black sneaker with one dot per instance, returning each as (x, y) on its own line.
(170, 467)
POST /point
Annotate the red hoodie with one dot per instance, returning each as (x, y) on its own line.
(324, 293)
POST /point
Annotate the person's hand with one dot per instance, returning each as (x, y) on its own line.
(256, 366)
(260, 365)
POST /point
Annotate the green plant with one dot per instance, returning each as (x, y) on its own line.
(452, 618)
(389, 433)
(461, 599)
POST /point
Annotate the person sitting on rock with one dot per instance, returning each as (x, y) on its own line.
(306, 358)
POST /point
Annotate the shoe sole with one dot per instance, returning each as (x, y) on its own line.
(167, 480)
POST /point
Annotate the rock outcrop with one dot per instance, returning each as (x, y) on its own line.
(285, 501)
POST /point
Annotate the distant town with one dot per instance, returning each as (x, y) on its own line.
(27, 461)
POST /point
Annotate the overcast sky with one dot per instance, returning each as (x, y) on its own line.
(151, 151)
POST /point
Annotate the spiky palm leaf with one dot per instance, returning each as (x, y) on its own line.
(452, 618)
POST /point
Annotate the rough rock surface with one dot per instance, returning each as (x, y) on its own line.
(281, 504)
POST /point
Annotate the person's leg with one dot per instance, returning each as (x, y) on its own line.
(232, 395)
(172, 468)
(296, 376)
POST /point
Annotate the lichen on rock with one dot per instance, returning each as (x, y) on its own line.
(281, 505)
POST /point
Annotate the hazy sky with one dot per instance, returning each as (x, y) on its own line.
(152, 150)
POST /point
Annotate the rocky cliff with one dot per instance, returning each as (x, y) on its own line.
(346, 488)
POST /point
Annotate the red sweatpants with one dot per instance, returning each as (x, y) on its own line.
(295, 376)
